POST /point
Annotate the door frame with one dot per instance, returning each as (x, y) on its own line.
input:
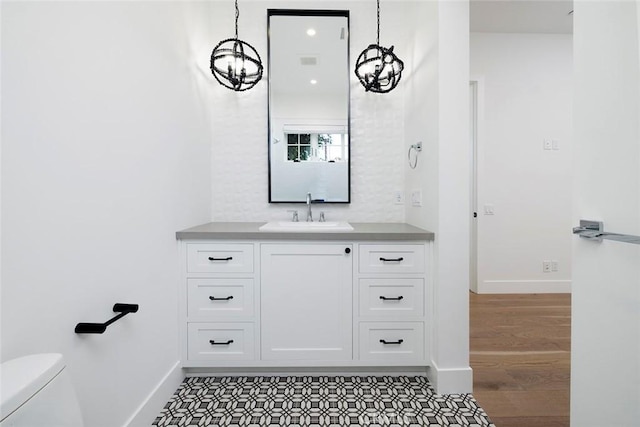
(476, 115)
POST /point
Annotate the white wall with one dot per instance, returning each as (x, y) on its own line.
(438, 115)
(526, 85)
(105, 155)
(605, 330)
(421, 116)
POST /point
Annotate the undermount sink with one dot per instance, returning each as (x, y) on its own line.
(290, 226)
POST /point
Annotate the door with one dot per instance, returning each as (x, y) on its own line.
(605, 356)
(306, 302)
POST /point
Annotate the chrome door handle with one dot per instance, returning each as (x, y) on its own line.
(594, 230)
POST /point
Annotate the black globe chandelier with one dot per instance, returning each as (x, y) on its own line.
(378, 68)
(235, 63)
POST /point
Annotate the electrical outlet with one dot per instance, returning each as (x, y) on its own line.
(398, 198)
(547, 144)
(554, 266)
(546, 266)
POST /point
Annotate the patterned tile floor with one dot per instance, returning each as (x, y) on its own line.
(317, 401)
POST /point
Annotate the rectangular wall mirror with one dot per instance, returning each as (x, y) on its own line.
(309, 138)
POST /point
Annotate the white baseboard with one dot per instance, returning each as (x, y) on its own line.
(159, 396)
(524, 287)
(308, 371)
(450, 380)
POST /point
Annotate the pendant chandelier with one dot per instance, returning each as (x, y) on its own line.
(378, 68)
(235, 63)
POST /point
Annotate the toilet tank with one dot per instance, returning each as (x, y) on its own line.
(36, 391)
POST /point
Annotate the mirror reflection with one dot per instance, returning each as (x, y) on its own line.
(308, 105)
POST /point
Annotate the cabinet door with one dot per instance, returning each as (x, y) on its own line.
(306, 293)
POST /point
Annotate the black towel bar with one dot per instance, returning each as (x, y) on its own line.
(99, 328)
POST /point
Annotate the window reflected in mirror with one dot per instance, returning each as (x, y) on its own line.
(317, 147)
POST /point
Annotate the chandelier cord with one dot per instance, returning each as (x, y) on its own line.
(378, 33)
(237, 15)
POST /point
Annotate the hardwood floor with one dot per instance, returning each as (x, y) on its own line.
(520, 354)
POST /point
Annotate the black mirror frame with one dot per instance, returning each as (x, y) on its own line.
(308, 12)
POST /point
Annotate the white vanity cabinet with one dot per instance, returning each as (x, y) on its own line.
(312, 300)
(306, 302)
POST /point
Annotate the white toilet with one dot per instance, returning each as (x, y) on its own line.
(36, 391)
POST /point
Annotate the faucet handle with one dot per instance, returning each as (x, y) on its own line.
(294, 215)
(321, 216)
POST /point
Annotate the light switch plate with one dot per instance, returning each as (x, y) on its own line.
(416, 198)
(398, 198)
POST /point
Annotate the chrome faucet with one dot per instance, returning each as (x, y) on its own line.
(309, 213)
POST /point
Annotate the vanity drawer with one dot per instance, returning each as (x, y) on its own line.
(391, 259)
(220, 341)
(392, 341)
(395, 298)
(219, 258)
(219, 298)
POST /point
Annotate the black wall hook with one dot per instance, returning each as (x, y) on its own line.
(99, 328)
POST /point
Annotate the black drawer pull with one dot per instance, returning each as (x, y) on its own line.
(212, 298)
(391, 342)
(391, 259)
(229, 258)
(212, 342)
(383, 298)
